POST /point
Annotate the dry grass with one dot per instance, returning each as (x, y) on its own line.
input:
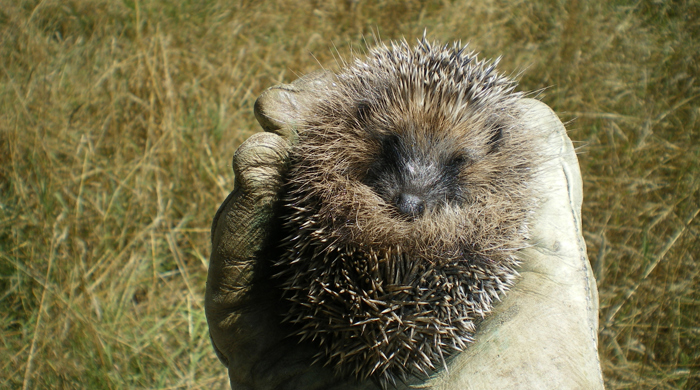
(118, 120)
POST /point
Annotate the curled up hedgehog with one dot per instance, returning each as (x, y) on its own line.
(407, 200)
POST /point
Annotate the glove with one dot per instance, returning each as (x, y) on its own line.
(543, 335)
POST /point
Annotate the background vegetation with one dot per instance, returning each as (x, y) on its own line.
(118, 120)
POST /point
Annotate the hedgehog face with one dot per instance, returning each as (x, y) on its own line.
(421, 169)
(415, 180)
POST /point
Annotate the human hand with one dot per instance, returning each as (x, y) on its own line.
(542, 335)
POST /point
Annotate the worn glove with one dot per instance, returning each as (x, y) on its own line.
(543, 335)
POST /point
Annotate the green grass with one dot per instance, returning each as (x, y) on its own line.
(118, 120)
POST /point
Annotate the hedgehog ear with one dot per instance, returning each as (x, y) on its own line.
(496, 136)
(280, 109)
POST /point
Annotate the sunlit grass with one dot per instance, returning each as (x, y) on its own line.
(118, 121)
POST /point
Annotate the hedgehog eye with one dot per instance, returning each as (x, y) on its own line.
(459, 160)
(496, 137)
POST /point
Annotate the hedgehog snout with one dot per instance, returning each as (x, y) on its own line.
(410, 204)
(413, 188)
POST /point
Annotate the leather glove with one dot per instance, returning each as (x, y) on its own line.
(543, 335)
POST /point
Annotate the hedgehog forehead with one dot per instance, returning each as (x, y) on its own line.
(427, 78)
(427, 132)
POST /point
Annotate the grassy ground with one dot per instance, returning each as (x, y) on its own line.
(118, 120)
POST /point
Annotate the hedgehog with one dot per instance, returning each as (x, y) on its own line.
(407, 201)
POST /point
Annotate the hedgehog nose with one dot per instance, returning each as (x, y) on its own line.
(410, 204)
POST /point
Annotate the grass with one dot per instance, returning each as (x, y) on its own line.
(118, 120)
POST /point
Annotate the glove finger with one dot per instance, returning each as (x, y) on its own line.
(280, 108)
(240, 234)
(259, 163)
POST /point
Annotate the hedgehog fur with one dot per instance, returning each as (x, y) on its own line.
(407, 202)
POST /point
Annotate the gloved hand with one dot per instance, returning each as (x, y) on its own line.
(543, 335)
